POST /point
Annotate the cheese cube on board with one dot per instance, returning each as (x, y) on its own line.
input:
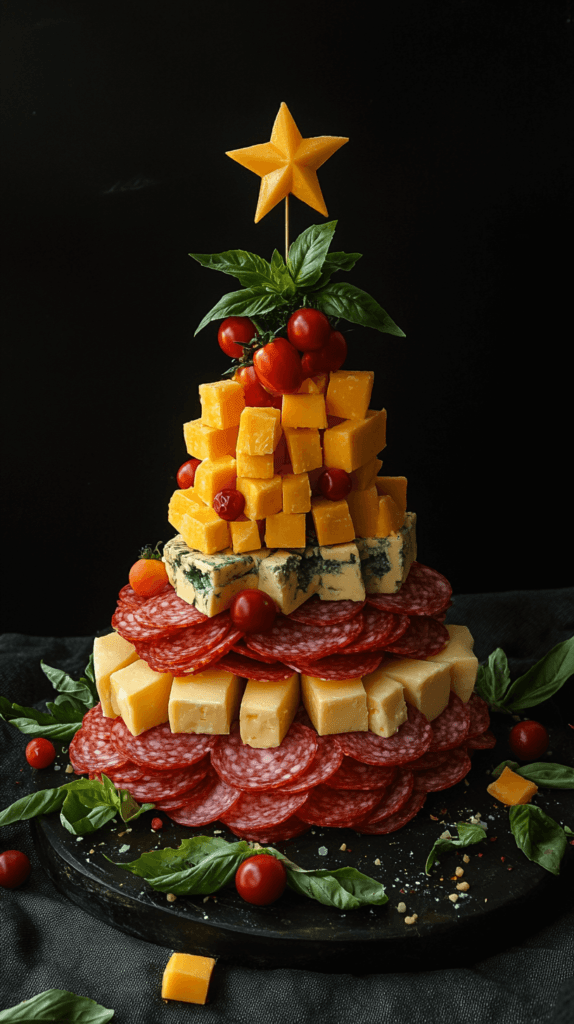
(462, 662)
(213, 475)
(333, 523)
(262, 497)
(426, 685)
(259, 431)
(267, 710)
(304, 411)
(221, 403)
(205, 531)
(285, 530)
(205, 703)
(511, 789)
(385, 561)
(335, 705)
(186, 978)
(296, 492)
(304, 447)
(245, 536)
(364, 511)
(385, 703)
(204, 442)
(140, 696)
(210, 582)
(288, 579)
(395, 487)
(339, 566)
(349, 393)
(351, 443)
(111, 652)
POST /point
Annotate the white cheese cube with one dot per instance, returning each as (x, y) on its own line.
(463, 664)
(111, 652)
(426, 685)
(385, 703)
(335, 705)
(267, 710)
(205, 703)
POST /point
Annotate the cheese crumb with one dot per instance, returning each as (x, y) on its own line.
(453, 897)
(402, 908)
(377, 861)
(459, 872)
(445, 835)
(69, 769)
(171, 898)
(463, 886)
(206, 899)
(411, 919)
(343, 846)
(466, 858)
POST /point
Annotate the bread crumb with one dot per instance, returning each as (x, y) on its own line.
(171, 898)
(453, 897)
(69, 769)
(463, 886)
(402, 908)
(343, 846)
(411, 919)
(466, 858)
(459, 872)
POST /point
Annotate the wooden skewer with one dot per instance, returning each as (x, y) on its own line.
(286, 227)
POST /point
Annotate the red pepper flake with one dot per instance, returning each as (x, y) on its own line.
(503, 859)
(443, 811)
(433, 817)
(493, 839)
(571, 842)
(156, 823)
(401, 890)
(509, 868)
(480, 855)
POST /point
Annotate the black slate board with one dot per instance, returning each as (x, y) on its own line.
(508, 895)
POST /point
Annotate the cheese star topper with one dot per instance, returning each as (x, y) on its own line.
(288, 164)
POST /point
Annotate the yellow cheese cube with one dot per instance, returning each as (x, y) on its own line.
(304, 411)
(364, 510)
(365, 476)
(426, 685)
(309, 387)
(390, 518)
(258, 467)
(304, 447)
(333, 524)
(350, 444)
(259, 430)
(296, 492)
(285, 530)
(205, 703)
(335, 705)
(267, 710)
(205, 442)
(462, 662)
(395, 487)
(186, 978)
(111, 652)
(245, 536)
(511, 789)
(221, 403)
(140, 696)
(385, 703)
(349, 393)
(262, 497)
(204, 531)
(181, 504)
(213, 475)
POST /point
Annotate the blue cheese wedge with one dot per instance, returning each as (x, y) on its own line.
(210, 582)
(385, 561)
(340, 569)
(282, 575)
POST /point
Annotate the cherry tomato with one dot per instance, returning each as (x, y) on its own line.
(335, 484)
(148, 576)
(261, 879)
(40, 753)
(278, 367)
(229, 504)
(14, 868)
(253, 611)
(156, 823)
(233, 330)
(308, 329)
(186, 473)
(255, 393)
(331, 357)
(528, 740)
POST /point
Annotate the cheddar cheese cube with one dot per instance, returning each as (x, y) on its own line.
(364, 511)
(213, 475)
(349, 393)
(309, 387)
(350, 444)
(296, 492)
(181, 504)
(111, 652)
(221, 403)
(258, 467)
(245, 535)
(262, 497)
(206, 703)
(259, 430)
(390, 517)
(365, 476)
(511, 789)
(335, 705)
(333, 523)
(304, 411)
(462, 662)
(304, 447)
(140, 696)
(426, 684)
(285, 530)
(385, 703)
(186, 978)
(395, 487)
(267, 710)
(204, 442)
(204, 531)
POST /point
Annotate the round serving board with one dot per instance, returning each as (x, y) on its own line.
(508, 895)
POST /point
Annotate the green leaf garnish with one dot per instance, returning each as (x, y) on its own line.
(542, 681)
(57, 1005)
(64, 716)
(467, 836)
(540, 838)
(84, 804)
(545, 774)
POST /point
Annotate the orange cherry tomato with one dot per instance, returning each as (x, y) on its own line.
(148, 576)
(234, 330)
(278, 367)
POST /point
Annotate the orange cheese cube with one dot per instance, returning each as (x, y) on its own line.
(395, 487)
(350, 444)
(285, 530)
(512, 789)
(181, 504)
(304, 447)
(390, 518)
(245, 536)
(262, 497)
(365, 476)
(213, 475)
(221, 403)
(204, 531)
(349, 393)
(259, 467)
(205, 442)
(364, 510)
(296, 492)
(309, 387)
(333, 524)
(259, 430)
(186, 978)
(304, 411)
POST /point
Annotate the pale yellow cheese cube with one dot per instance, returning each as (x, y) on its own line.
(364, 511)
(333, 523)
(296, 492)
(304, 447)
(365, 476)
(426, 685)
(462, 662)
(213, 475)
(285, 530)
(395, 487)
(259, 430)
(262, 497)
(221, 403)
(350, 444)
(205, 703)
(335, 705)
(258, 467)
(349, 393)
(140, 696)
(111, 652)
(204, 442)
(245, 536)
(304, 411)
(204, 531)
(385, 702)
(186, 978)
(390, 518)
(267, 710)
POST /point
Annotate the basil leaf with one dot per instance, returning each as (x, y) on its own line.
(57, 1005)
(246, 302)
(249, 269)
(43, 802)
(568, 831)
(213, 871)
(308, 251)
(540, 838)
(84, 804)
(467, 836)
(493, 680)
(351, 303)
(542, 773)
(64, 683)
(497, 772)
(156, 863)
(16, 712)
(344, 888)
(544, 679)
(283, 280)
(335, 261)
(67, 710)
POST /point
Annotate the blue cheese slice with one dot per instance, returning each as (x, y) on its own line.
(282, 575)
(385, 561)
(210, 582)
(340, 569)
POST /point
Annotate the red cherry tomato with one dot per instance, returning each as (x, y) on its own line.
(255, 393)
(186, 473)
(40, 753)
(14, 868)
(261, 879)
(253, 611)
(156, 823)
(148, 576)
(528, 740)
(308, 329)
(335, 484)
(228, 504)
(278, 367)
(331, 357)
(233, 330)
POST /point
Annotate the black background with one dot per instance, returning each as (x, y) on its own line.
(117, 117)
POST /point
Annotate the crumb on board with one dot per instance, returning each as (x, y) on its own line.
(377, 861)
(402, 908)
(343, 846)
(171, 897)
(411, 919)
(459, 872)
(463, 886)
(453, 897)
(466, 858)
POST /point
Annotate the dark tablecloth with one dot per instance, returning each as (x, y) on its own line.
(48, 942)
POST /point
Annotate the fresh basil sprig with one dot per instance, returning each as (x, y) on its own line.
(546, 774)
(57, 1005)
(64, 716)
(543, 680)
(467, 836)
(203, 865)
(540, 838)
(84, 804)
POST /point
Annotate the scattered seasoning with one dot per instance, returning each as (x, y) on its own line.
(466, 858)
(509, 868)
(206, 899)
(479, 855)
(492, 839)
(69, 769)
(92, 851)
(322, 851)
(411, 919)
(377, 861)
(79, 839)
(453, 897)
(463, 886)
(433, 817)
(503, 859)
(343, 846)
(402, 908)
(124, 848)
(171, 898)
(459, 872)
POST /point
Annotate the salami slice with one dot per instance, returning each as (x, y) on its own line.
(393, 798)
(429, 760)
(378, 628)
(338, 808)
(412, 739)
(423, 638)
(210, 800)
(167, 610)
(287, 640)
(289, 829)
(424, 592)
(125, 621)
(188, 644)
(159, 748)
(154, 786)
(396, 821)
(127, 596)
(357, 775)
(450, 728)
(261, 810)
(486, 741)
(91, 749)
(340, 666)
(242, 648)
(250, 669)
(253, 769)
(479, 716)
(193, 663)
(325, 613)
(326, 762)
(121, 777)
(451, 771)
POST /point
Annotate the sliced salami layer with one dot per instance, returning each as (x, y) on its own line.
(246, 652)
(91, 749)
(378, 627)
(429, 760)
(122, 777)
(412, 739)
(338, 808)
(188, 644)
(289, 640)
(125, 621)
(127, 596)
(357, 775)
(424, 592)
(423, 638)
(193, 663)
(340, 666)
(451, 771)
(167, 610)
(261, 810)
(450, 728)
(251, 669)
(159, 748)
(325, 613)
(274, 834)
(255, 769)
(479, 716)
(394, 797)
(327, 760)
(154, 786)
(396, 821)
(210, 800)
(486, 741)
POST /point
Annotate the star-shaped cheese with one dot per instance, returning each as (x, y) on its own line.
(288, 164)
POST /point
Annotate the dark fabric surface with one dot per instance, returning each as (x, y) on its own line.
(47, 942)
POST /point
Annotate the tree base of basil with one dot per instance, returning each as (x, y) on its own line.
(57, 1005)
(542, 681)
(84, 805)
(64, 716)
